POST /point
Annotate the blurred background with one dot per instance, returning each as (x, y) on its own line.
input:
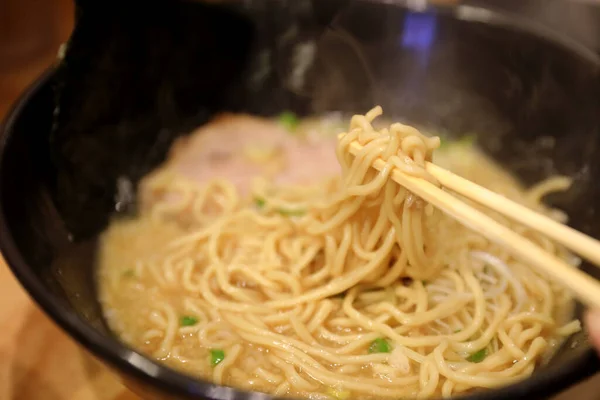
(50, 366)
(31, 32)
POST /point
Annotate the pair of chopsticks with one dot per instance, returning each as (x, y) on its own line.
(584, 287)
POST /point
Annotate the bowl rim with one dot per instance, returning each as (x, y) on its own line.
(137, 366)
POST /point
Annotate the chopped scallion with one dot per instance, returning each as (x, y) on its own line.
(291, 213)
(188, 320)
(216, 356)
(478, 356)
(467, 140)
(260, 202)
(129, 273)
(289, 120)
(379, 346)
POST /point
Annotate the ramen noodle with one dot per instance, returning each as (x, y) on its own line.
(266, 257)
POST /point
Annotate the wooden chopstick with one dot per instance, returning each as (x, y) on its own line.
(585, 246)
(583, 286)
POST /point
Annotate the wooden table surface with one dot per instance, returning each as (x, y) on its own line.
(37, 360)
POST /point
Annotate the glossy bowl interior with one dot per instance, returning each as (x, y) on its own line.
(112, 107)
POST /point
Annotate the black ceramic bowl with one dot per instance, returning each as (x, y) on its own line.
(132, 82)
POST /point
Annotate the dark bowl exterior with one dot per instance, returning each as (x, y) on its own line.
(469, 70)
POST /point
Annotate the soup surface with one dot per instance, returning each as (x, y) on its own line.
(266, 259)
